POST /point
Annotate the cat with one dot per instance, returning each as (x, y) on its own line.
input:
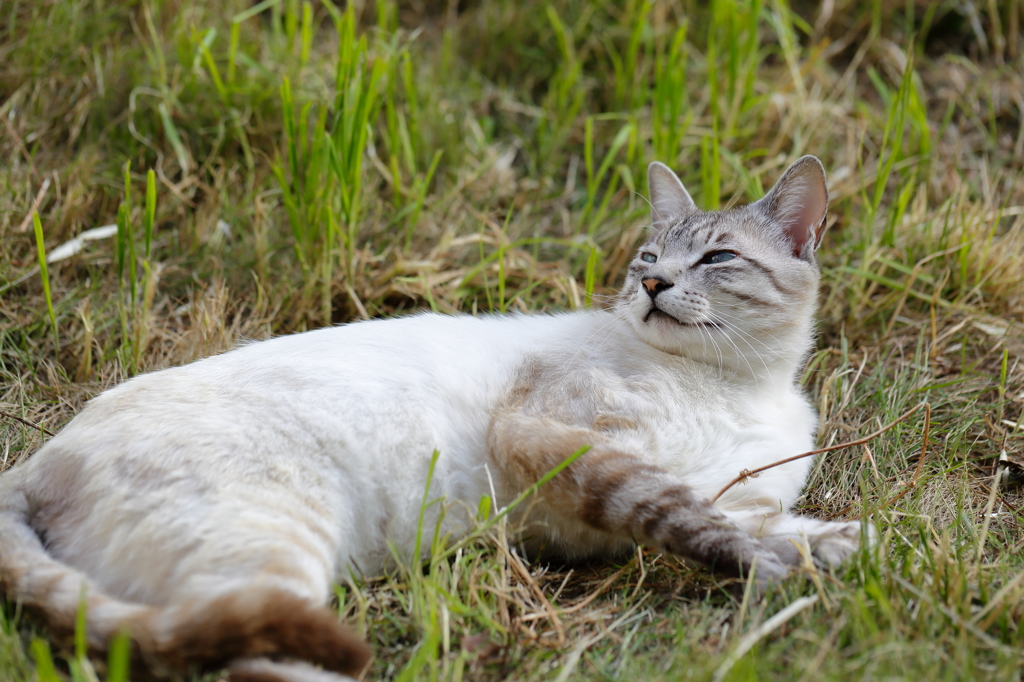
(208, 509)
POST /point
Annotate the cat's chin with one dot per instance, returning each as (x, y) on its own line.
(668, 334)
(657, 316)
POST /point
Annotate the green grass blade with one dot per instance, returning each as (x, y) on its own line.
(129, 232)
(306, 36)
(233, 52)
(45, 276)
(119, 657)
(45, 669)
(254, 10)
(174, 139)
(422, 185)
(514, 504)
(214, 71)
(150, 214)
(418, 546)
(590, 277)
(81, 635)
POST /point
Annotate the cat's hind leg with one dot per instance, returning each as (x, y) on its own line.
(253, 598)
(621, 494)
(274, 611)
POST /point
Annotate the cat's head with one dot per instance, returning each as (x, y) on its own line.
(736, 288)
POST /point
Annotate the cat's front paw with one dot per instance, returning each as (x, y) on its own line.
(751, 556)
(834, 543)
(768, 567)
(828, 543)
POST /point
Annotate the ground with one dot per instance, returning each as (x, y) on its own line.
(313, 165)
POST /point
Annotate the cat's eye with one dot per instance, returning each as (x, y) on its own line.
(648, 257)
(717, 257)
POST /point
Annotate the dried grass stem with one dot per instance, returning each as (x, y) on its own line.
(745, 474)
(37, 427)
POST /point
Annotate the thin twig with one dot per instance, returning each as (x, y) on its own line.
(924, 443)
(920, 462)
(745, 474)
(913, 482)
(21, 145)
(35, 205)
(38, 427)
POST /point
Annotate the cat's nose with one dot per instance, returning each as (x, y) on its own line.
(655, 285)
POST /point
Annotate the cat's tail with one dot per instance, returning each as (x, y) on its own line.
(259, 635)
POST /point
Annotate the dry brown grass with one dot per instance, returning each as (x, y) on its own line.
(923, 296)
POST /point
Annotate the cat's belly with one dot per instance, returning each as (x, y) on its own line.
(322, 439)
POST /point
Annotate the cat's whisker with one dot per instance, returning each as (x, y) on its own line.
(760, 330)
(710, 337)
(779, 354)
(745, 317)
(739, 353)
(768, 371)
(749, 338)
(714, 342)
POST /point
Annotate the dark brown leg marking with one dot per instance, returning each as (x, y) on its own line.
(619, 493)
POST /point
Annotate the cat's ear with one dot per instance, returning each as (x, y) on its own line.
(669, 199)
(798, 203)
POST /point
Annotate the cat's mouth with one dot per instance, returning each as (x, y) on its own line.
(656, 312)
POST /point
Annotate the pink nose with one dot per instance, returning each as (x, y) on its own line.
(655, 285)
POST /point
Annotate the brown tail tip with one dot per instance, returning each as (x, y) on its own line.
(271, 624)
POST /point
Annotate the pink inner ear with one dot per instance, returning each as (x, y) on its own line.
(669, 199)
(800, 207)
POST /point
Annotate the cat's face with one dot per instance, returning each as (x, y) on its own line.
(735, 288)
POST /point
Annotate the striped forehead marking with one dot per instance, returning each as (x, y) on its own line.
(698, 229)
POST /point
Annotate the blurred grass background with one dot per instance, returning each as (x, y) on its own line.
(278, 166)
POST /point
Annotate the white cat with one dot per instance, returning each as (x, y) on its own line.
(209, 508)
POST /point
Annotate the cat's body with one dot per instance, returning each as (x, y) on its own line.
(210, 508)
(243, 416)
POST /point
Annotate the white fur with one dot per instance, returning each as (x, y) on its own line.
(343, 423)
(292, 671)
(301, 461)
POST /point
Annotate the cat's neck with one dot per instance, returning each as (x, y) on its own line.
(771, 362)
(773, 366)
(767, 361)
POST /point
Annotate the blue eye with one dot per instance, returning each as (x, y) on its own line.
(717, 257)
(648, 257)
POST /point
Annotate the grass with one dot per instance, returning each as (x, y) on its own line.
(301, 165)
